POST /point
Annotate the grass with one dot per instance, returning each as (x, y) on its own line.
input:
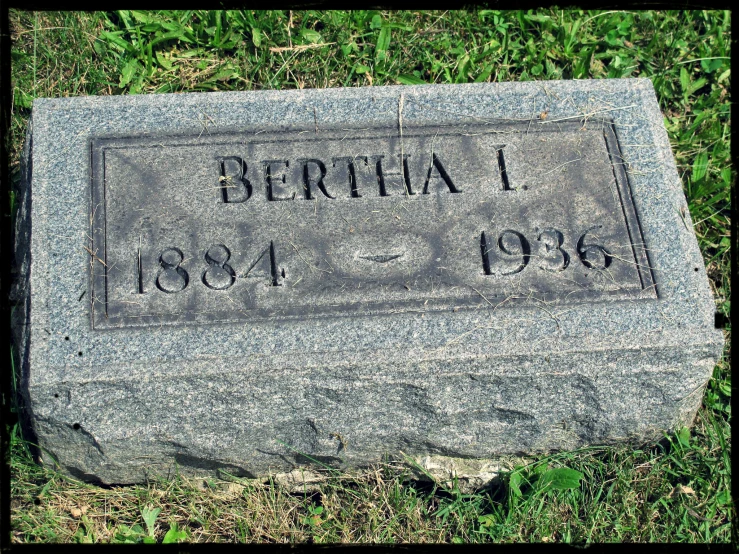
(677, 490)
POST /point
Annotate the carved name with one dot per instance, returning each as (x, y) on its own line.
(278, 183)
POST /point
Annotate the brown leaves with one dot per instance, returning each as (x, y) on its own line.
(78, 512)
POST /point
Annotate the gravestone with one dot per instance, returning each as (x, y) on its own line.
(258, 281)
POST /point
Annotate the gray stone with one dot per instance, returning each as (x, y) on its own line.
(258, 282)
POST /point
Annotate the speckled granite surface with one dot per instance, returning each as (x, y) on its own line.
(254, 395)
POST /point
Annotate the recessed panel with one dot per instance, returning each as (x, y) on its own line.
(298, 224)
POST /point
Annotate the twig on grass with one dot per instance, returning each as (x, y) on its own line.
(299, 48)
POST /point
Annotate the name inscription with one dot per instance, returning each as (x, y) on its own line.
(258, 225)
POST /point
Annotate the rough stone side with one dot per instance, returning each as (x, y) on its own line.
(20, 294)
(120, 431)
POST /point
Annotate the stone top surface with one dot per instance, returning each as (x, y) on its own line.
(105, 151)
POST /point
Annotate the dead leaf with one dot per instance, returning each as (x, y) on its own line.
(685, 490)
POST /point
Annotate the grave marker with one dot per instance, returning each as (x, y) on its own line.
(234, 280)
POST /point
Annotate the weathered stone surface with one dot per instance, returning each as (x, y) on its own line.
(350, 232)
(260, 281)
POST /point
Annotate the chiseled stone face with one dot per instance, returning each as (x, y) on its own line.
(248, 281)
(244, 226)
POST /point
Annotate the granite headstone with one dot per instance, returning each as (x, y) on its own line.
(257, 281)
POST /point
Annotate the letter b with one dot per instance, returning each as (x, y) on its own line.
(233, 184)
